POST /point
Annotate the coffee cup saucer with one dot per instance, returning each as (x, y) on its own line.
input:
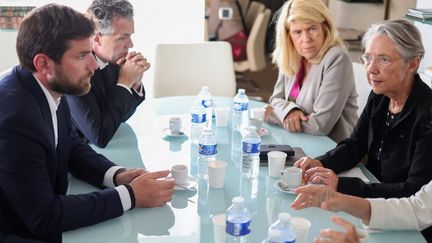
(167, 132)
(281, 186)
(189, 185)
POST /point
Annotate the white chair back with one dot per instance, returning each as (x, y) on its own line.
(181, 69)
(362, 85)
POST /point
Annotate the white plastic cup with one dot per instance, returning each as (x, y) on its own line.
(216, 173)
(257, 113)
(175, 125)
(219, 223)
(301, 226)
(222, 115)
(257, 123)
(292, 176)
(179, 174)
(276, 162)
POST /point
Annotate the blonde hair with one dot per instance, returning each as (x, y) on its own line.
(285, 56)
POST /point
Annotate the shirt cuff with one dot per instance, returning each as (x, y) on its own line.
(140, 92)
(109, 176)
(126, 87)
(125, 197)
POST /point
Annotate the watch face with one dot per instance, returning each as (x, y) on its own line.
(225, 13)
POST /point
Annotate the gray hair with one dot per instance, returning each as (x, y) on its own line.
(404, 35)
(103, 11)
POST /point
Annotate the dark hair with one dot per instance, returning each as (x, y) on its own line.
(103, 11)
(48, 30)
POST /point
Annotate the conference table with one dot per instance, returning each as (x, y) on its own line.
(142, 142)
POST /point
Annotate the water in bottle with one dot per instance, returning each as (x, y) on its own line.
(251, 143)
(238, 220)
(274, 236)
(240, 109)
(198, 121)
(207, 102)
(285, 227)
(207, 150)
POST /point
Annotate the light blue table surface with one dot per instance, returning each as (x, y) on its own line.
(187, 218)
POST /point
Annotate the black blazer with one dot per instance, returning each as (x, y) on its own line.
(406, 163)
(34, 173)
(98, 114)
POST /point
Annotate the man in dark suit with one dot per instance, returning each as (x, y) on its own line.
(37, 144)
(116, 86)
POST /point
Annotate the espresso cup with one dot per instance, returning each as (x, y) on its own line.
(179, 174)
(292, 176)
(175, 125)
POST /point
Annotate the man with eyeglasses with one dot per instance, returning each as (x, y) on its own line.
(116, 85)
(394, 132)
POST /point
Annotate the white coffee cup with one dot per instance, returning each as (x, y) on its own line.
(257, 112)
(292, 176)
(257, 123)
(179, 174)
(216, 173)
(276, 162)
(175, 125)
(219, 224)
(301, 226)
(222, 116)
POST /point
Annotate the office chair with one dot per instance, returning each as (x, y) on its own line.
(362, 86)
(255, 48)
(181, 69)
(252, 11)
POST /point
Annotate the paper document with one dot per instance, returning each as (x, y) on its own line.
(354, 172)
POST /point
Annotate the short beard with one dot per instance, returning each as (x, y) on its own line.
(62, 84)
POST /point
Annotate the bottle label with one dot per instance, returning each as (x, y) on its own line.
(237, 229)
(207, 103)
(240, 106)
(198, 118)
(251, 148)
(207, 149)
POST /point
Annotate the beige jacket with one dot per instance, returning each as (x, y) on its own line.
(328, 96)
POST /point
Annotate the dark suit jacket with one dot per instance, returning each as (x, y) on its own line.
(98, 114)
(33, 172)
(406, 162)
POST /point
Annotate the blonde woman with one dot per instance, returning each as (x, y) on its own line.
(315, 92)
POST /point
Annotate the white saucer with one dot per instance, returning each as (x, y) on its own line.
(263, 132)
(290, 190)
(190, 183)
(168, 133)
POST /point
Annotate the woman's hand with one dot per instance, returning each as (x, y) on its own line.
(305, 163)
(321, 175)
(317, 196)
(329, 235)
(293, 120)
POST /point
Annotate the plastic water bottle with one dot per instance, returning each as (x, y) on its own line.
(238, 220)
(284, 226)
(240, 109)
(207, 151)
(274, 236)
(251, 143)
(198, 121)
(207, 102)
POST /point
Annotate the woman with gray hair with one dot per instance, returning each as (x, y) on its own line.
(394, 131)
(315, 92)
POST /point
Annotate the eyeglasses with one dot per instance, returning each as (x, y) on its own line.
(384, 61)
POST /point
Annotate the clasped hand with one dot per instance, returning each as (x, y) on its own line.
(132, 68)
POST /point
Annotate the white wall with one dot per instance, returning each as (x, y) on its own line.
(426, 31)
(156, 21)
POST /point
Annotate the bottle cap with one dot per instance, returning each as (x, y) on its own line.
(284, 217)
(237, 200)
(242, 91)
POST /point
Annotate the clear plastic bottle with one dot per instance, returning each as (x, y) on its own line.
(207, 102)
(207, 151)
(251, 143)
(238, 220)
(274, 236)
(198, 121)
(284, 226)
(240, 109)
